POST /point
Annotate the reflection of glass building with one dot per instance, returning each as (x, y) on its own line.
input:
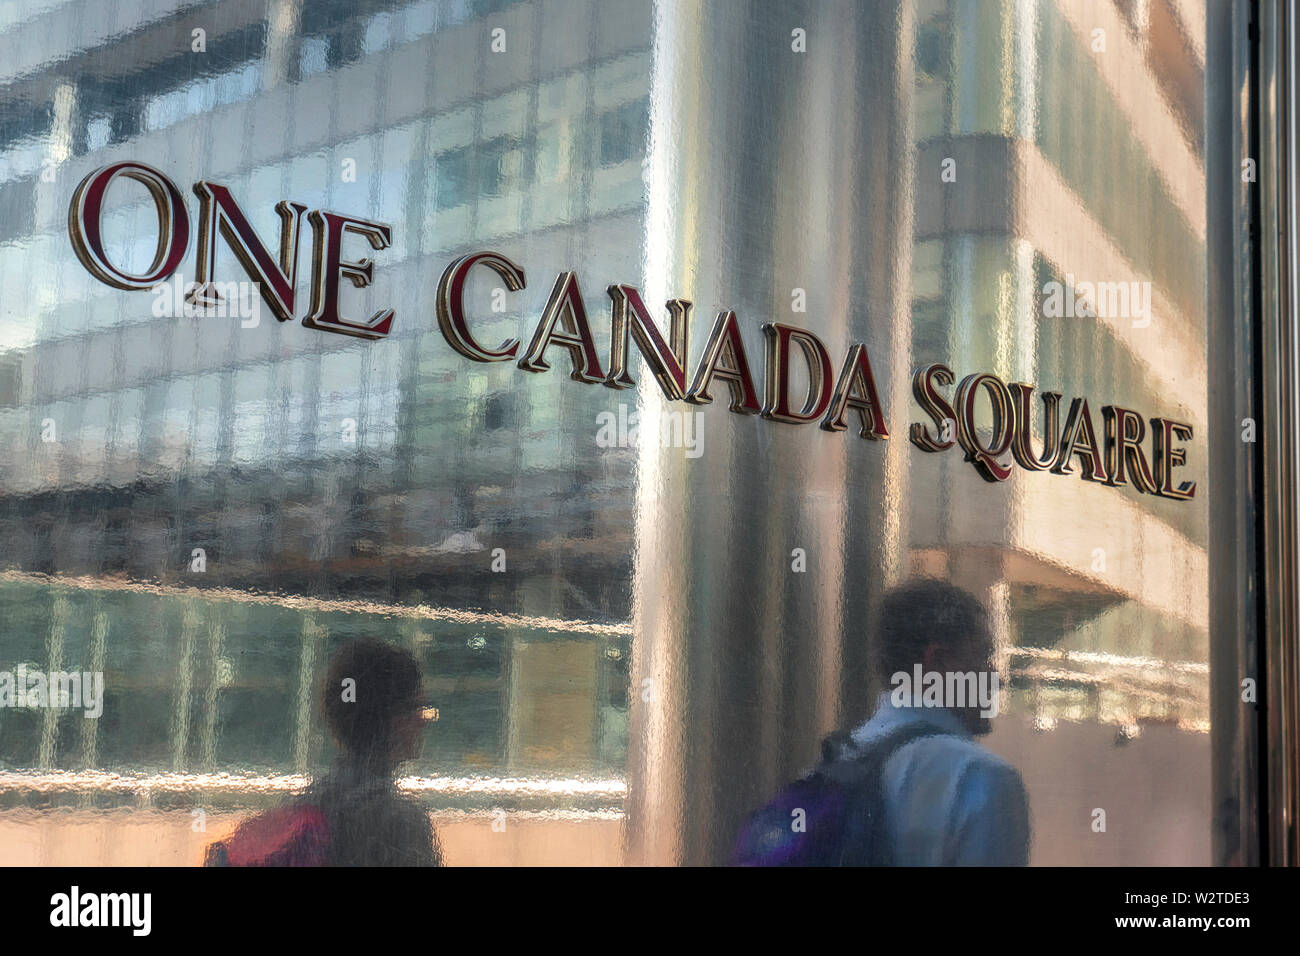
(1088, 170)
(1129, 204)
(240, 448)
(644, 667)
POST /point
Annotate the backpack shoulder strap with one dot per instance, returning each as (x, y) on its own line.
(860, 770)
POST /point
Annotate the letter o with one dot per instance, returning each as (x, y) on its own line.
(86, 212)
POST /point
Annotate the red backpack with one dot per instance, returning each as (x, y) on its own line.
(295, 835)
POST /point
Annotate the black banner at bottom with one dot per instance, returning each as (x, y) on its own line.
(331, 905)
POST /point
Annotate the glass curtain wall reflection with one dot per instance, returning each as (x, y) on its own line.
(222, 505)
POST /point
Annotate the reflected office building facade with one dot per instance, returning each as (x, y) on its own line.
(638, 611)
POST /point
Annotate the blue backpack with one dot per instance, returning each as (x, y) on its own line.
(834, 816)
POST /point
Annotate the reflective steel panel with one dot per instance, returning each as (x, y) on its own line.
(675, 338)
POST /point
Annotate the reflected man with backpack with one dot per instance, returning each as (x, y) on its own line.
(910, 786)
(354, 815)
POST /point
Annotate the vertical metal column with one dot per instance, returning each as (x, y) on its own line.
(1280, 452)
(769, 170)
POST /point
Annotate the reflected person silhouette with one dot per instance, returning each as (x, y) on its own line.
(354, 815)
(910, 786)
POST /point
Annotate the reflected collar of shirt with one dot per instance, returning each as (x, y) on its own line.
(889, 718)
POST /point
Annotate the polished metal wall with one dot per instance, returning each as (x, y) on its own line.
(1074, 158)
(630, 642)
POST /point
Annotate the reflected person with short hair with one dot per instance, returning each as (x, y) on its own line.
(948, 800)
(354, 815)
(910, 786)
